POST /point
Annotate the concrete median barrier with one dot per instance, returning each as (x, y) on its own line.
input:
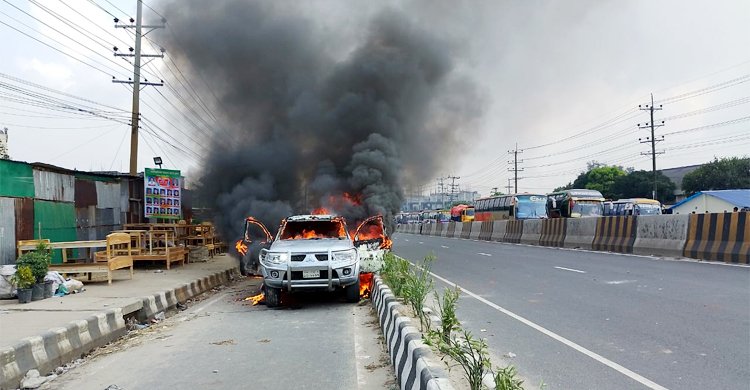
(513, 232)
(476, 229)
(532, 231)
(663, 235)
(498, 230)
(451, 230)
(465, 230)
(553, 232)
(439, 227)
(485, 231)
(427, 229)
(615, 234)
(579, 232)
(719, 236)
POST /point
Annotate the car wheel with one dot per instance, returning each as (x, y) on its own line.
(273, 297)
(352, 292)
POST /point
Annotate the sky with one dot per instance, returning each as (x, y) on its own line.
(562, 80)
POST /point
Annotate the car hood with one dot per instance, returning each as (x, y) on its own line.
(310, 246)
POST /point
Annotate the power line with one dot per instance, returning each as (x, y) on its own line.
(515, 168)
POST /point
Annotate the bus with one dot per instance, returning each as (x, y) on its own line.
(435, 216)
(635, 206)
(462, 213)
(516, 206)
(575, 203)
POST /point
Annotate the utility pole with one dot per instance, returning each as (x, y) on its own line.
(454, 186)
(515, 162)
(136, 81)
(441, 185)
(509, 186)
(652, 140)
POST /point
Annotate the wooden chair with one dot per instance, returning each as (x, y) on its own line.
(119, 255)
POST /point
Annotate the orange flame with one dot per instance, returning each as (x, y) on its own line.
(256, 299)
(372, 229)
(241, 247)
(365, 285)
(320, 211)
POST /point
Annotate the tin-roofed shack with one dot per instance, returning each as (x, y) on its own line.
(42, 200)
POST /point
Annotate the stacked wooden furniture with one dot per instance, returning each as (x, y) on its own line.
(160, 246)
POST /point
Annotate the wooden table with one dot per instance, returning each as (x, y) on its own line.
(65, 245)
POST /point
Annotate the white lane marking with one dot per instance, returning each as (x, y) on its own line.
(601, 359)
(443, 246)
(210, 302)
(571, 270)
(421, 242)
(620, 281)
(406, 239)
(484, 254)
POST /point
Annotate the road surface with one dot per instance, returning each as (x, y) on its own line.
(587, 320)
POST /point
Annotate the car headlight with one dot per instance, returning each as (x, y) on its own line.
(275, 258)
(347, 256)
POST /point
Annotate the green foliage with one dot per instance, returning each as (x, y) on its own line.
(640, 184)
(505, 379)
(470, 353)
(395, 271)
(603, 178)
(447, 310)
(38, 260)
(416, 287)
(724, 174)
(23, 278)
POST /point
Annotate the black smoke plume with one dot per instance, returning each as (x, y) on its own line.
(308, 112)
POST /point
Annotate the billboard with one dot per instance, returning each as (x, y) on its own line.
(163, 194)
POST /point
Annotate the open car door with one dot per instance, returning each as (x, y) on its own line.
(255, 238)
(371, 242)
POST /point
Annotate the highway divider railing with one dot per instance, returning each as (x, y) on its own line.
(716, 237)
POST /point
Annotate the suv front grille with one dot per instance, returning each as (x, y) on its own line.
(298, 257)
(322, 256)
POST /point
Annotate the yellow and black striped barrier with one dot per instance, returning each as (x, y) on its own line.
(513, 231)
(553, 232)
(466, 230)
(485, 231)
(719, 236)
(615, 234)
(451, 229)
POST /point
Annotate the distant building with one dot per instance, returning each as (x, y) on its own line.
(676, 175)
(437, 200)
(719, 201)
(4, 154)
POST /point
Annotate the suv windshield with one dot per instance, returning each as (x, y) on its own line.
(313, 230)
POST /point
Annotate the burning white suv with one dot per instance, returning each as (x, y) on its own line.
(310, 252)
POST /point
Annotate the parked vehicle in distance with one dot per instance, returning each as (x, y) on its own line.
(634, 206)
(462, 213)
(514, 206)
(575, 203)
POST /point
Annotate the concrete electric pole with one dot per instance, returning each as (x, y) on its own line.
(454, 187)
(136, 81)
(652, 140)
(515, 162)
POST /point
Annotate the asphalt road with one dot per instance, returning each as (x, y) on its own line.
(315, 342)
(587, 320)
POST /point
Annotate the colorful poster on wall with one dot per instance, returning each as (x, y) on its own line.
(163, 197)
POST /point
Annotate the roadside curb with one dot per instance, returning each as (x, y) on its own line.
(58, 346)
(412, 360)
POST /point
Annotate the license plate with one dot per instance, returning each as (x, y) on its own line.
(311, 274)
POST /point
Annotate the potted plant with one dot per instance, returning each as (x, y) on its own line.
(38, 261)
(23, 279)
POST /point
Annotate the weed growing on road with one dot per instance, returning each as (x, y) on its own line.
(416, 287)
(446, 304)
(471, 354)
(505, 379)
(395, 272)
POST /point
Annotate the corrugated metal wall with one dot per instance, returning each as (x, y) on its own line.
(85, 193)
(24, 219)
(107, 195)
(56, 221)
(7, 231)
(16, 179)
(54, 186)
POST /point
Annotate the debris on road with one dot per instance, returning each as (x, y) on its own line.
(32, 380)
(224, 342)
(510, 355)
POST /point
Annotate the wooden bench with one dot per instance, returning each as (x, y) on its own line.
(119, 255)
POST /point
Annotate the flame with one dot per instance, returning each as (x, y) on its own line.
(320, 211)
(241, 247)
(256, 299)
(365, 285)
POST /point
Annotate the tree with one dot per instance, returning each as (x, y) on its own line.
(724, 174)
(602, 178)
(639, 184)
